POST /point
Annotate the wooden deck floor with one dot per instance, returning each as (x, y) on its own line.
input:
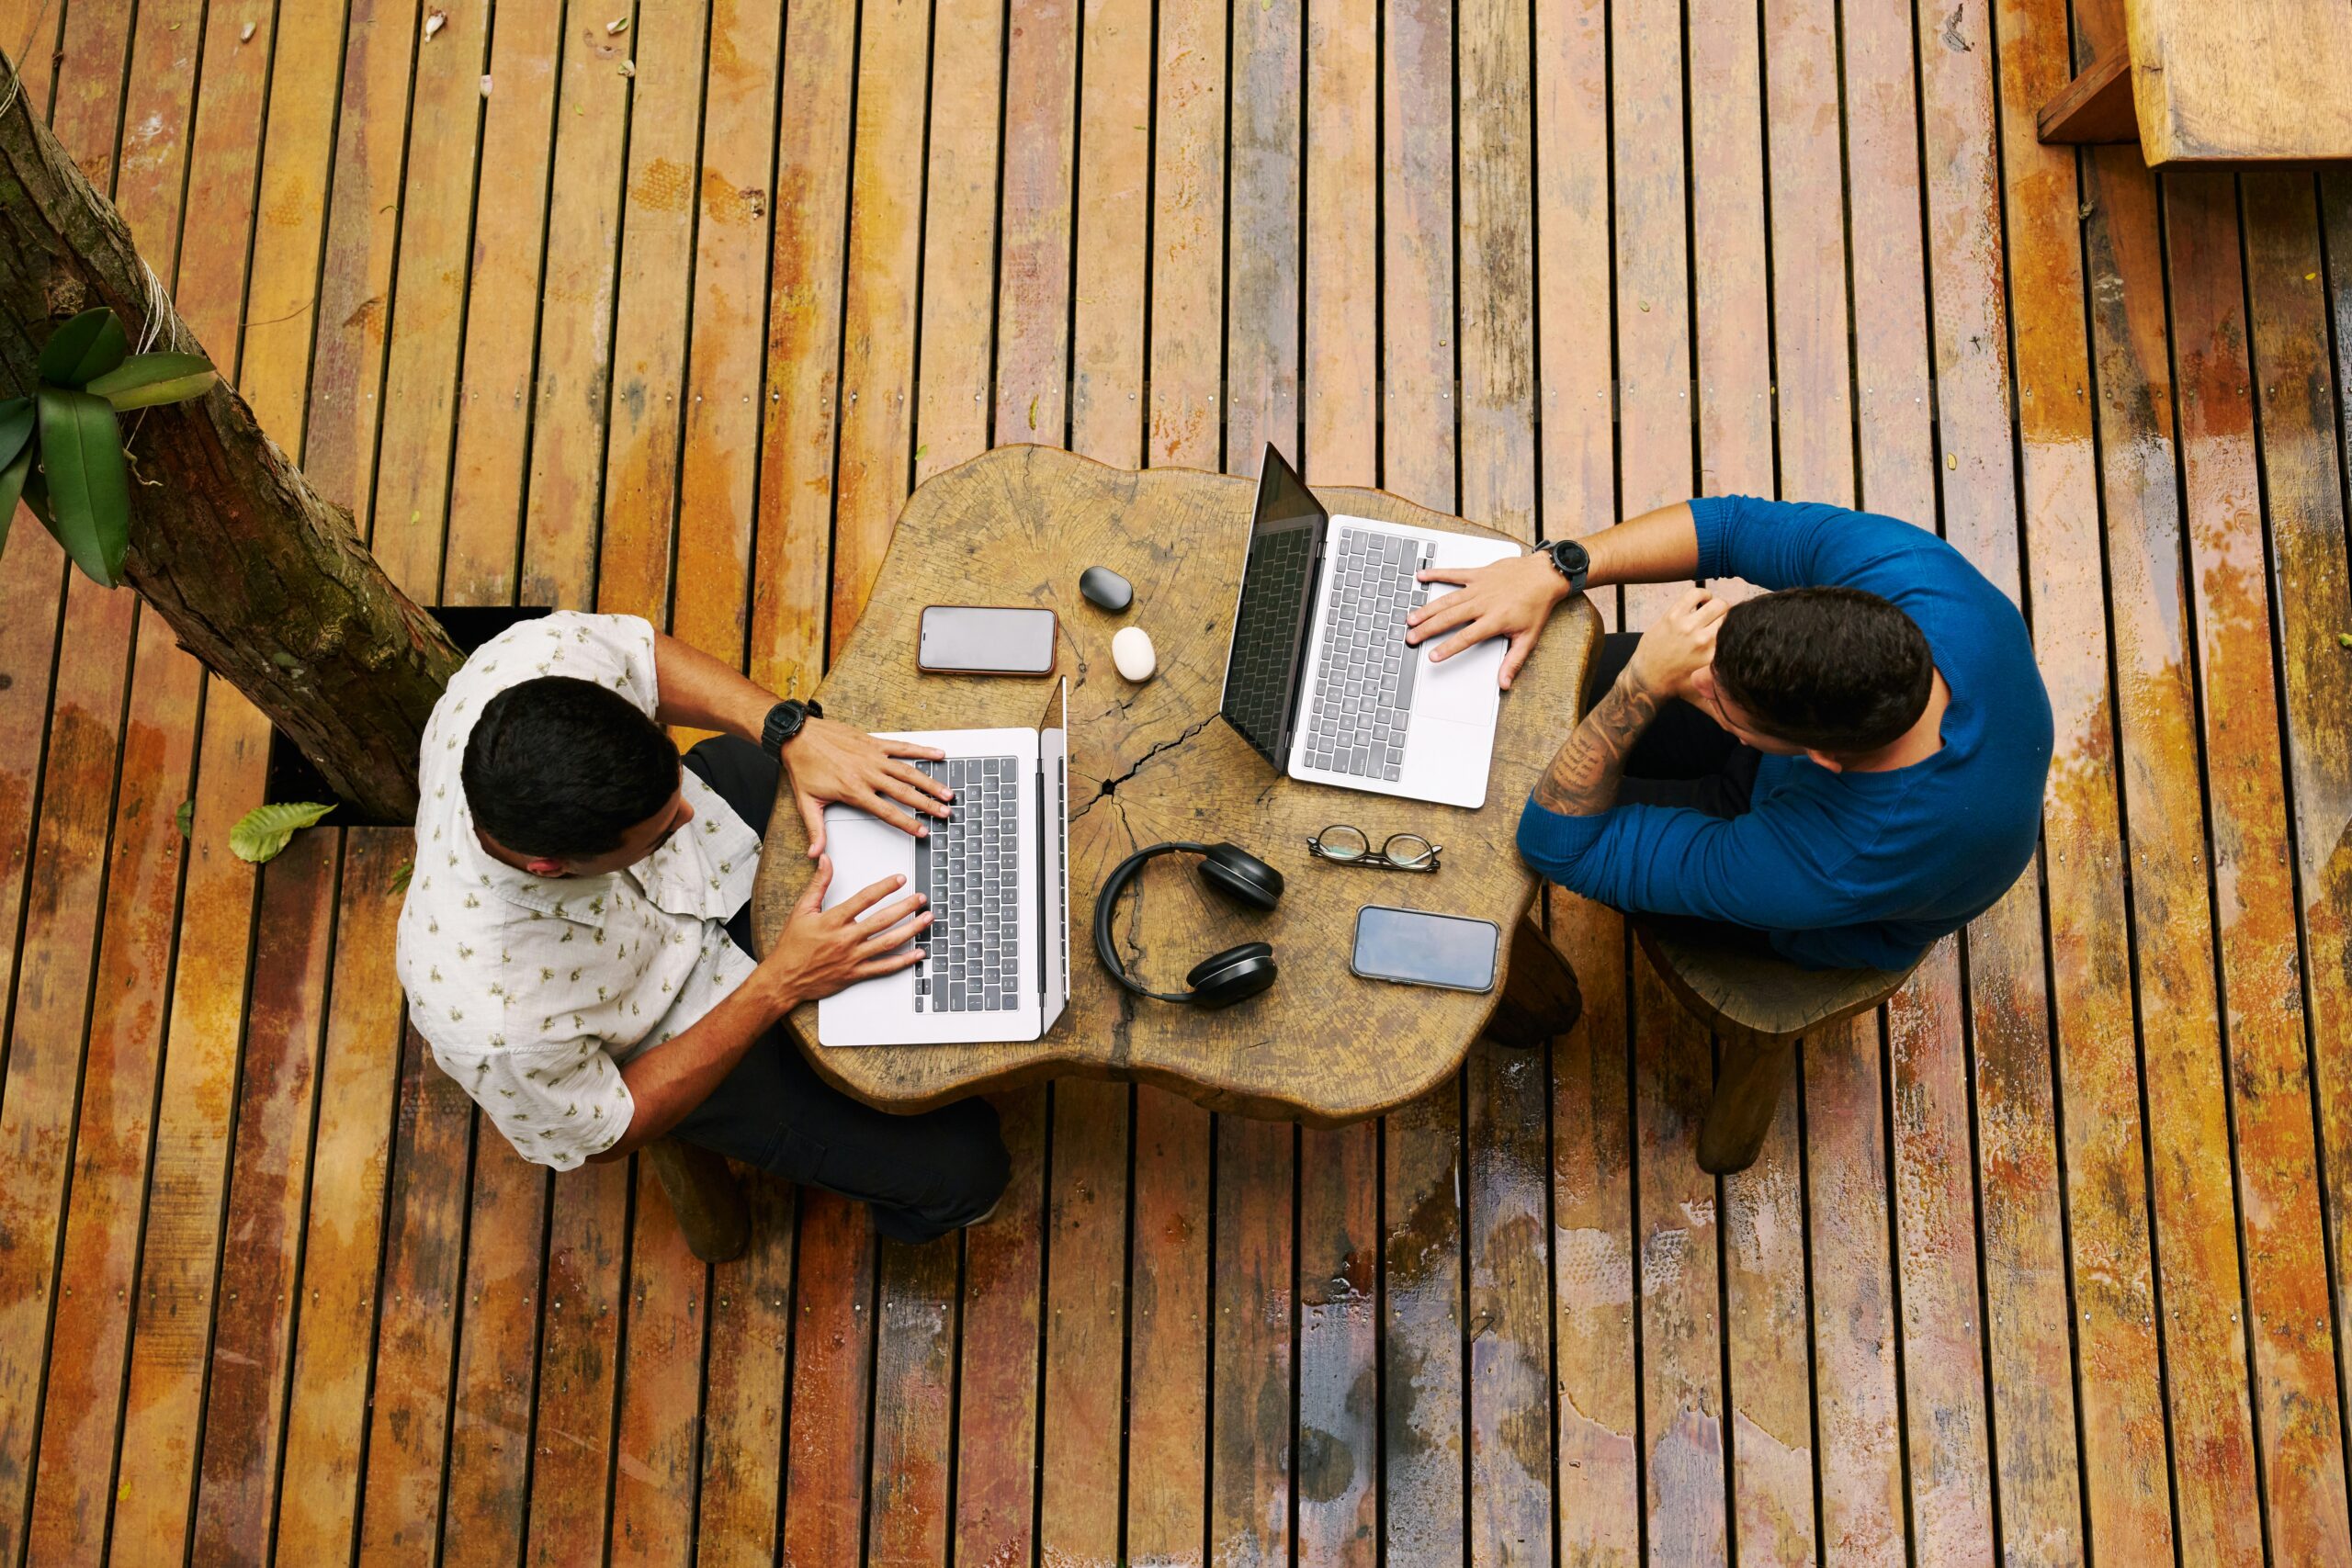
(2042, 1264)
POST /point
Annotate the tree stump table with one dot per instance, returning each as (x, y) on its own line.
(1155, 762)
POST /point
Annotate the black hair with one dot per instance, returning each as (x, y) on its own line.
(1832, 668)
(563, 768)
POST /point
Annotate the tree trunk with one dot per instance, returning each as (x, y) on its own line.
(264, 582)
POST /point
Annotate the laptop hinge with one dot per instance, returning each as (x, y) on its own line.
(1040, 861)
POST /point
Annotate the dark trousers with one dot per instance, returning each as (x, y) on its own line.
(1684, 758)
(923, 1175)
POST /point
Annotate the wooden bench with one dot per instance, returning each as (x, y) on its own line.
(2196, 82)
(1759, 1007)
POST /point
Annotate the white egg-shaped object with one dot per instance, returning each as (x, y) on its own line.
(1131, 651)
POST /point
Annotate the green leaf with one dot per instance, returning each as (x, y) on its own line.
(186, 818)
(144, 380)
(84, 349)
(17, 416)
(12, 485)
(89, 487)
(399, 877)
(263, 831)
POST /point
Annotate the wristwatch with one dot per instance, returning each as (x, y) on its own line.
(784, 722)
(1570, 559)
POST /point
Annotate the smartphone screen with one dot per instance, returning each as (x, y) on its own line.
(1420, 948)
(988, 641)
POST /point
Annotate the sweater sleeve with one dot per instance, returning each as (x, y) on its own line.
(1796, 544)
(1750, 869)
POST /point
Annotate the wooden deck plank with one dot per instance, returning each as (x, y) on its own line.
(952, 405)
(571, 393)
(833, 1360)
(718, 474)
(655, 1461)
(2120, 1495)
(1506, 1092)
(359, 1070)
(399, 1512)
(269, 1189)
(645, 421)
(1856, 1398)
(907, 1515)
(1253, 1347)
(996, 1390)
(2215, 1499)
(572, 1428)
(1167, 1315)
(751, 1332)
(1682, 1397)
(1422, 1400)
(879, 316)
(1949, 1471)
(1114, 204)
(1035, 244)
(483, 551)
(1086, 1317)
(55, 854)
(2280, 1214)
(1768, 1350)
(1187, 279)
(792, 573)
(496, 1378)
(1732, 291)
(426, 301)
(2298, 396)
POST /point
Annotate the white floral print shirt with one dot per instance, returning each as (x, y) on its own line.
(531, 990)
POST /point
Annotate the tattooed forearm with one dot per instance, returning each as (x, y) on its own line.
(1582, 779)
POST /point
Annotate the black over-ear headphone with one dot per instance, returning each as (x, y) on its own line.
(1233, 976)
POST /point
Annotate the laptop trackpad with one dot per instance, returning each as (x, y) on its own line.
(864, 851)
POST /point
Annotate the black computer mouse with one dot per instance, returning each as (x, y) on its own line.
(1106, 588)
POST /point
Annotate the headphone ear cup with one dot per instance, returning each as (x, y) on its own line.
(1238, 875)
(1236, 974)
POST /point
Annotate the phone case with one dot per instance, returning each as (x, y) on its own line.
(1017, 674)
(1493, 964)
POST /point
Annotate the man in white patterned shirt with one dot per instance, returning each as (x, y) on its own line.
(575, 939)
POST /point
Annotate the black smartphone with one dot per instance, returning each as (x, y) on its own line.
(1414, 947)
(975, 639)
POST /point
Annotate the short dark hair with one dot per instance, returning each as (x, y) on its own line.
(561, 767)
(1833, 669)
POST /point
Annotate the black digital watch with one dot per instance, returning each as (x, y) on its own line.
(784, 722)
(1570, 559)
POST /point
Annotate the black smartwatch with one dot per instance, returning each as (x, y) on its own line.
(784, 722)
(1570, 559)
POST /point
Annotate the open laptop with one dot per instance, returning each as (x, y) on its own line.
(997, 872)
(1320, 679)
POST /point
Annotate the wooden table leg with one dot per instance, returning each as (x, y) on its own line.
(1748, 1094)
(1540, 998)
(706, 1198)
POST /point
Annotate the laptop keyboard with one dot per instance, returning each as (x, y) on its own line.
(970, 865)
(1363, 691)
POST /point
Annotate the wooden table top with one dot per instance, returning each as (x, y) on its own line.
(1155, 762)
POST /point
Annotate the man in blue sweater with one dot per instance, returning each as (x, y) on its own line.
(1840, 770)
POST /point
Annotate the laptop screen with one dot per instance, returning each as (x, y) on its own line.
(1269, 626)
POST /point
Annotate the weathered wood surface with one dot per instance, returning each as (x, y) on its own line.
(1155, 762)
(1971, 1303)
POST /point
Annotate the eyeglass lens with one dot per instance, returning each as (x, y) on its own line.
(1408, 850)
(1342, 842)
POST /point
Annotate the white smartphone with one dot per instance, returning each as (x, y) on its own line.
(1414, 947)
(972, 639)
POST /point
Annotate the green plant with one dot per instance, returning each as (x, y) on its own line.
(262, 832)
(60, 448)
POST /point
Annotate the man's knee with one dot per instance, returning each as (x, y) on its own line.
(975, 1163)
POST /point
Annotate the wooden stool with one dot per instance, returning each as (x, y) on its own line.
(1540, 1000)
(706, 1198)
(1759, 1007)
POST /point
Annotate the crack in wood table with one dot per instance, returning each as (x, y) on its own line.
(1155, 762)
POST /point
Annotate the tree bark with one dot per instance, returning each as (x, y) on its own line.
(264, 582)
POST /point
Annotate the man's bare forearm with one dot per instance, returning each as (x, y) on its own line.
(669, 1080)
(700, 693)
(1583, 778)
(1656, 546)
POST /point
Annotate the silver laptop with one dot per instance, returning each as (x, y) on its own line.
(998, 873)
(1320, 679)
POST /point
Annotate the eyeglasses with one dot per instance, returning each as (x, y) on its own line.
(1349, 846)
